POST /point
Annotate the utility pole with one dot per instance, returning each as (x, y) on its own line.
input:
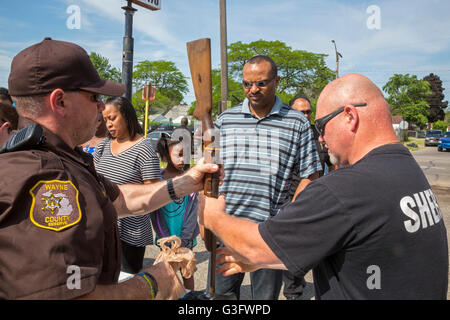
(337, 59)
(223, 57)
(128, 41)
(127, 57)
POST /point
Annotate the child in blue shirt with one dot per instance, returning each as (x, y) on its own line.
(179, 217)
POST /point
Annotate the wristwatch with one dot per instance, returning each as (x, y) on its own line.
(171, 190)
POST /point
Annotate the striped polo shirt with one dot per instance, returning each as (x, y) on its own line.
(260, 156)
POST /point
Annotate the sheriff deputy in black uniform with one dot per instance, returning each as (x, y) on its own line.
(58, 218)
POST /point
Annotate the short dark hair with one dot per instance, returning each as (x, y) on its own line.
(299, 96)
(9, 114)
(4, 95)
(128, 112)
(260, 58)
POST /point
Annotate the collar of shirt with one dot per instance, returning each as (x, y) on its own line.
(275, 109)
(57, 145)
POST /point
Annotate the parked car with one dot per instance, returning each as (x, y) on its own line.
(154, 136)
(421, 134)
(444, 142)
(165, 127)
(432, 137)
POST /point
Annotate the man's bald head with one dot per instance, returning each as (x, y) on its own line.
(349, 89)
(356, 129)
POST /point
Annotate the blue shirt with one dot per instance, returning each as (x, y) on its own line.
(173, 213)
(260, 155)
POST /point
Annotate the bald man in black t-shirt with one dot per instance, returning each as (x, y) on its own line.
(371, 230)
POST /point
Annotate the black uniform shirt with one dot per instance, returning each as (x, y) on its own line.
(372, 230)
(58, 227)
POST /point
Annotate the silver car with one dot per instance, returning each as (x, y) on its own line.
(432, 137)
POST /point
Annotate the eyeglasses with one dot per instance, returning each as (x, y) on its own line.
(309, 111)
(94, 97)
(259, 84)
(319, 124)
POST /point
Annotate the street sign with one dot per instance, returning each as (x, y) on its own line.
(149, 4)
(148, 92)
(403, 125)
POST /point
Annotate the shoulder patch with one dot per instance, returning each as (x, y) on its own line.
(55, 205)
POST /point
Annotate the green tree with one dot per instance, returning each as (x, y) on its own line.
(440, 125)
(408, 98)
(104, 68)
(300, 71)
(170, 84)
(235, 93)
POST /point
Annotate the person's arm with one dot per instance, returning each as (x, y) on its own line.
(304, 182)
(137, 288)
(240, 236)
(230, 264)
(151, 181)
(138, 199)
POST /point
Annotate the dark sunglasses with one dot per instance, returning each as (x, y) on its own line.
(307, 111)
(94, 97)
(259, 84)
(319, 124)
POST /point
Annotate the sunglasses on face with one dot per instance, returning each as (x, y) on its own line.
(319, 124)
(307, 111)
(94, 97)
(259, 84)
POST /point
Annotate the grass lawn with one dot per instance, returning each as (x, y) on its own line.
(419, 141)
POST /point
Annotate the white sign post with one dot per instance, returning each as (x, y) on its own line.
(149, 4)
(403, 125)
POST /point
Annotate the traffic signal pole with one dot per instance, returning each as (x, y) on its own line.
(127, 56)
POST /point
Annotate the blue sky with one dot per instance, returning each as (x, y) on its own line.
(411, 36)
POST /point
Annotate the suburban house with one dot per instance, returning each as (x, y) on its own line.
(173, 116)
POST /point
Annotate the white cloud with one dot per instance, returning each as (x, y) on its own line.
(150, 23)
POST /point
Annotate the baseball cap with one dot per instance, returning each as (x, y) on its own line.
(52, 64)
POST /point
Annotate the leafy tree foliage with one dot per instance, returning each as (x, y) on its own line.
(435, 100)
(408, 98)
(440, 125)
(170, 84)
(104, 68)
(301, 72)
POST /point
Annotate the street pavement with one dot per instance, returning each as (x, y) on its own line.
(435, 165)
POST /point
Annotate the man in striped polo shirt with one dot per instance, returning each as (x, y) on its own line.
(263, 141)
